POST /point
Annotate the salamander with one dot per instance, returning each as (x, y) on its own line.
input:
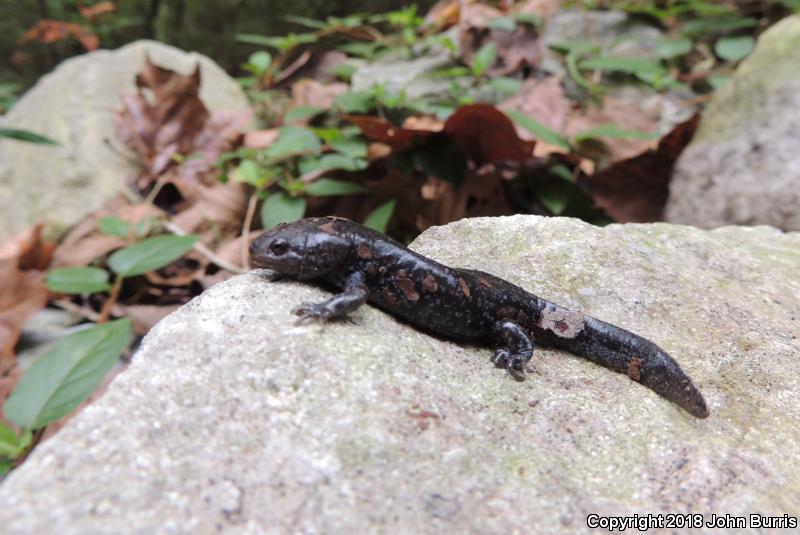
(463, 305)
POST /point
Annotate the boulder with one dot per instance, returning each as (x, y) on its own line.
(743, 166)
(74, 106)
(233, 419)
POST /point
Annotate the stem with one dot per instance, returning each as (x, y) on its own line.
(203, 250)
(112, 299)
(248, 221)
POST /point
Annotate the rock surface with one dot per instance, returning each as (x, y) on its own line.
(232, 419)
(74, 106)
(743, 166)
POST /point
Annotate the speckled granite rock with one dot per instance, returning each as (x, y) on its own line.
(743, 166)
(74, 105)
(232, 419)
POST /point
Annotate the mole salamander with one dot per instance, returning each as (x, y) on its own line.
(458, 304)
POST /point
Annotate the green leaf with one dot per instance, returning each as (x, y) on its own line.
(506, 85)
(5, 466)
(24, 135)
(247, 172)
(380, 216)
(529, 18)
(717, 82)
(484, 58)
(734, 48)
(361, 50)
(292, 141)
(355, 147)
(9, 442)
(305, 21)
(150, 254)
(259, 62)
(503, 23)
(281, 208)
(331, 161)
(612, 130)
(355, 102)
(77, 280)
(539, 130)
(629, 65)
(554, 195)
(66, 374)
(343, 71)
(673, 48)
(114, 226)
(717, 25)
(326, 187)
(301, 113)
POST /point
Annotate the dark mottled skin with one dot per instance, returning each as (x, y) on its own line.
(459, 304)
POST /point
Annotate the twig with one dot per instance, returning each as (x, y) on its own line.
(248, 221)
(205, 251)
(112, 298)
(85, 312)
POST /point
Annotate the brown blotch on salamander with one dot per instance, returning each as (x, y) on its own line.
(389, 296)
(370, 270)
(327, 227)
(485, 282)
(464, 287)
(364, 251)
(429, 283)
(635, 368)
(406, 285)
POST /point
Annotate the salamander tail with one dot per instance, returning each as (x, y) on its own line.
(638, 358)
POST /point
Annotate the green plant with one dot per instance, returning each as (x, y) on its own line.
(67, 373)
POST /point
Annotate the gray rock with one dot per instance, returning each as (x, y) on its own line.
(232, 419)
(74, 105)
(743, 166)
(613, 31)
(411, 76)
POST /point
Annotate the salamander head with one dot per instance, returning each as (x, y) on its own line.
(306, 249)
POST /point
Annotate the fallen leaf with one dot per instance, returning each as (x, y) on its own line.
(22, 290)
(443, 14)
(627, 113)
(260, 139)
(483, 133)
(85, 242)
(543, 100)
(48, 31)
(486, 135)
(636, 189)
(540, 8)
(313, 93)
(90, 12)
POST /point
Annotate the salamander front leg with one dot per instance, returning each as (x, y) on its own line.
(518, 350)
(338, 306)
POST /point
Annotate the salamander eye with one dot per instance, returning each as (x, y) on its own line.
(279, 247)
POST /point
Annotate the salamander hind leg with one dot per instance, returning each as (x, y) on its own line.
(518, 349)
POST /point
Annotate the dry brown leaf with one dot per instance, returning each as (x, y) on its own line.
(443, 14)
(173, 133)
(483, 133)
(221, 205)
(313, 93)
(627, 114)
(49, 31)
(85, 243)
(636, 189)
(22, 291)
(90, 12)
(540, 8)
(260, 139)
(543, 100)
